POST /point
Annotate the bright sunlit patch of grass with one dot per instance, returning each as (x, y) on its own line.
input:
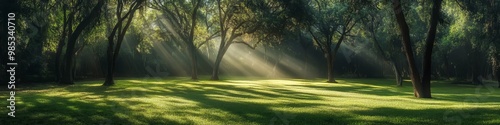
(253, 101)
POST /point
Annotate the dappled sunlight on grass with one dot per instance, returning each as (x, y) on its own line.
(142, 82)
(298, 101)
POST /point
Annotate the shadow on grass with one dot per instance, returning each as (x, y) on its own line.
(53, 110)
(122, 104)
(364, 86)
(433, 116)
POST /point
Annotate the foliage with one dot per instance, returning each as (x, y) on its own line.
(465, 48)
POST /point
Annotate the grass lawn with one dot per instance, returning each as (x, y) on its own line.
(251, 101)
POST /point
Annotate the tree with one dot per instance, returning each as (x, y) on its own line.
(67, 19)
(234, 20)
(421, 85)
(487, 17)
(388, 53)
(67, 75)
(182, 17)
(118, 32)
(332, 19)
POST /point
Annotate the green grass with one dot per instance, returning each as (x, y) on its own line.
(252, 101)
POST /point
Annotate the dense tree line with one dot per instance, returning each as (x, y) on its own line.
(421, 40)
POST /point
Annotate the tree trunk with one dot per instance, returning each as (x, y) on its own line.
(109, 81)
(421, 87)
(113, 53)
(192, 47)
(109, 75)
(329, 62)
(429, 44)
(194, 62)
(67, 31)
(218, 60)
(405, 33)
(215, 71)
(67, 78)
(60, 46)
(329, 66)
(57, 64)
(331, 57)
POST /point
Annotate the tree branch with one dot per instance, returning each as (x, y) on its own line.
(208, 39)
(317, 41)
(248, 45)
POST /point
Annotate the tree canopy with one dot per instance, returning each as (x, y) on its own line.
(419, 40)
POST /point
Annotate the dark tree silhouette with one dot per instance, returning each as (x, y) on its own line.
(68, 66)
(119, 31)
(421, 86)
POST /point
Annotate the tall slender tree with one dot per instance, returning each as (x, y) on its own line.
(421, 85)
(124, 19)
(332, 19)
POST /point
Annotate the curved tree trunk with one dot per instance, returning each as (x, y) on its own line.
(222, 45)
(421, 87)
(67, 78)
(218, 60)
(215, 71)
(405, 33)
(429, 44)
(122, 29)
